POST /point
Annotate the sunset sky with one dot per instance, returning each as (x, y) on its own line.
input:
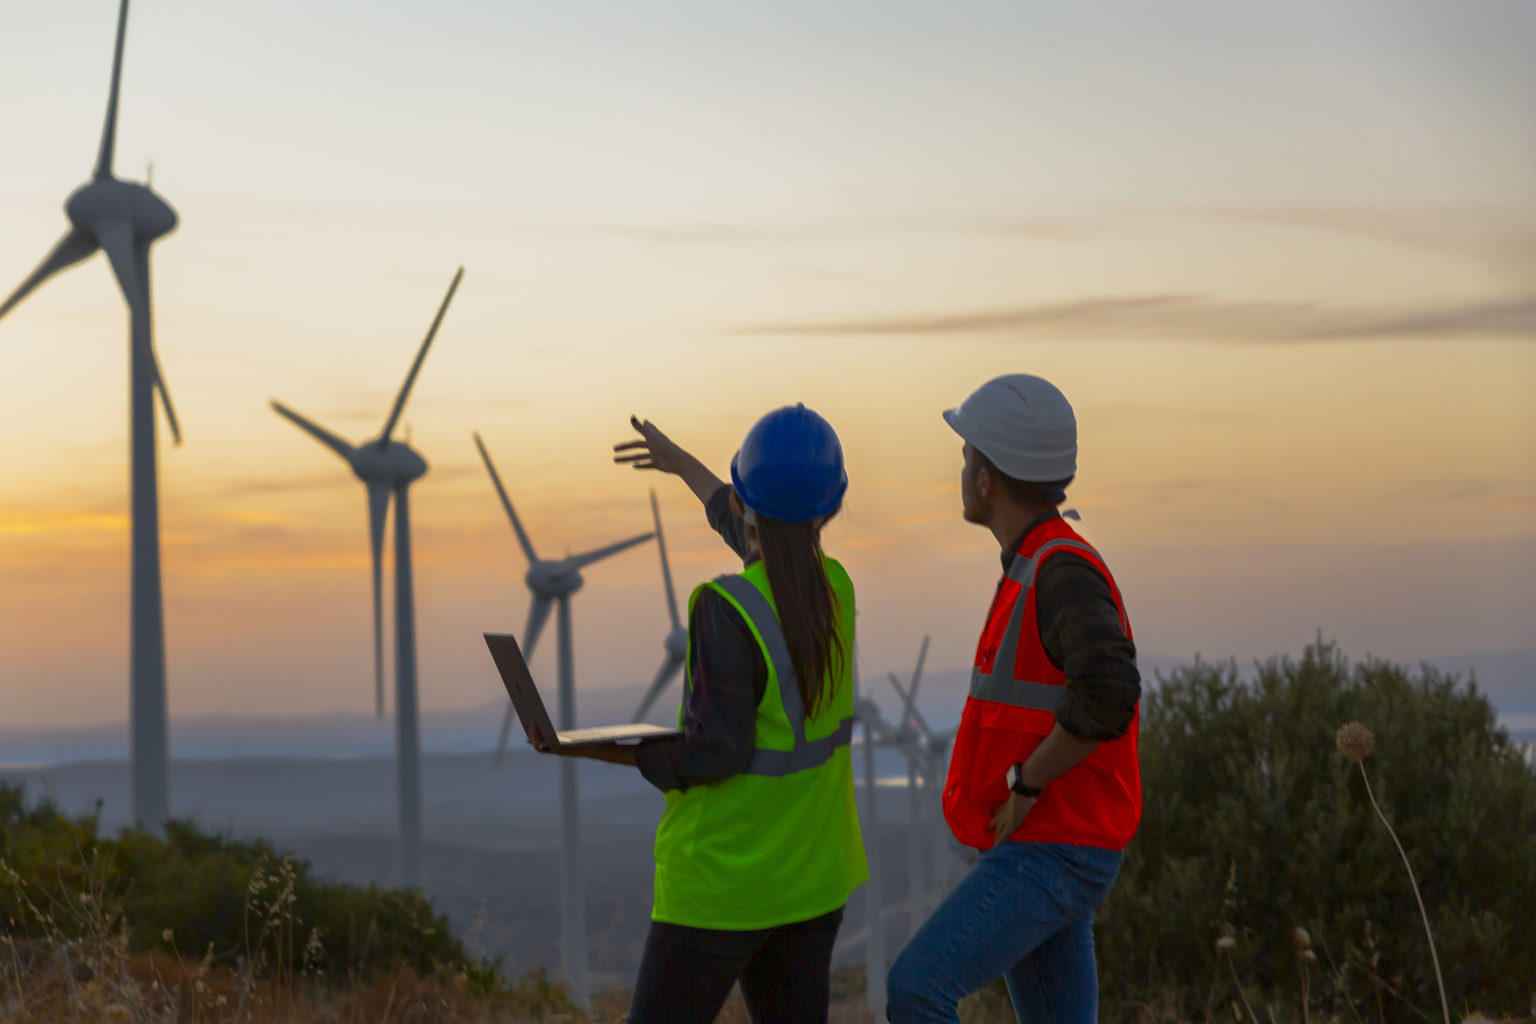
(1280, 256)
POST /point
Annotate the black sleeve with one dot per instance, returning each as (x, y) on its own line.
(1080, 629)
(728, 681)
(724, 521)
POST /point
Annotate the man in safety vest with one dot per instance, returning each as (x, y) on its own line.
(1043, 778)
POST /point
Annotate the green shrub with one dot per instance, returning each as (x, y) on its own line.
(210, 896)
(1254, 824)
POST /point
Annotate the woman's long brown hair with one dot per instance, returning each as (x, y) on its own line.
(807, 605)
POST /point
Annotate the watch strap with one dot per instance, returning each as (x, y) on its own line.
(1017, 784)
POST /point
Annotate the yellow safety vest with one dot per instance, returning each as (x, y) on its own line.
(779, 842)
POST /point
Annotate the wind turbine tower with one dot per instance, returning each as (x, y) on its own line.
(123, 219)
(553, 582)
(875, 963)
(677, 639)
(907, 739)
(927, 753)
(387, 469)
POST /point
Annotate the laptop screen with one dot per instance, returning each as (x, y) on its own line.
(520, 687)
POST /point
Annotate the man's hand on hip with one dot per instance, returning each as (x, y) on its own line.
(1010, 815)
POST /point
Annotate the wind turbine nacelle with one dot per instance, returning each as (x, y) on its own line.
(117, 202)
(392, 463)
(677, 644)
(553, 579)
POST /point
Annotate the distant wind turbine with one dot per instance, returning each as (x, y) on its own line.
(388, 468)
(927, 754)
(123, 219)
(677, 639)
(554, 581)
(875, 964)
(916, 759)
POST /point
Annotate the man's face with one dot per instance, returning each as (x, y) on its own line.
(973, 506)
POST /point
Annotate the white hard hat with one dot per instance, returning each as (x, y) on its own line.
(1023, 424)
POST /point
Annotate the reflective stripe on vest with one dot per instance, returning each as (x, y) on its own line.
(806, 753)
(999, 685)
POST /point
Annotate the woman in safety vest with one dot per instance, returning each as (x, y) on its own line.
(759, 847)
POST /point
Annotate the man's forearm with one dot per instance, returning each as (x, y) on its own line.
(1055, 755)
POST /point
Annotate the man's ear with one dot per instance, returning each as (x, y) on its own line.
(986, 483)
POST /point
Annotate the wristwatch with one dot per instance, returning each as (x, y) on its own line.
(1018, 785)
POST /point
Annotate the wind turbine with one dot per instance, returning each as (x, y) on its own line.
(554, 581)
(875, 963)
(388, 468)
(677, 640)
(907, 740)
(123, 219)
(926, 753)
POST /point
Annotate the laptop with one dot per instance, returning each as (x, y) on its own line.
(531, 712)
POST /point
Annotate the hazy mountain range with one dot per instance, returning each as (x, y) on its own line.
(1507, 677)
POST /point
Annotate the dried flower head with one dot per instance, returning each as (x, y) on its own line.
(167, 935)
(1226, 944)
(1355, 741)
(1301, 938)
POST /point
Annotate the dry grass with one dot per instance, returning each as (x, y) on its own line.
(46, 987)
(40, 984)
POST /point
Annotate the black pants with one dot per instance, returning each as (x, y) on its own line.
(687, 973)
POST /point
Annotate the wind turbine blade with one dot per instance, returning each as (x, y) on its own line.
(319, 433)
(538, 614)
(116, 240)
(146, 296)
(71, 249)
(909, 712)
(582, 561)
(666, 570)
(109, 131)
(378, 510)
(906, 698)
(506, 503)
(410, 378)
(669, 669)
(917, 673)
(501, 740)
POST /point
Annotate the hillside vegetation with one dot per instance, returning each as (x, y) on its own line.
(1261, 886)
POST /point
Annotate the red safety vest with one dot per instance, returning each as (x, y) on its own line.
(1014, 693)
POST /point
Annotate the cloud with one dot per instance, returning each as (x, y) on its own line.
(792, 233)
(41, 521)
(1196, 318)
(1512, 319)
(1501, 237)
(247, 488)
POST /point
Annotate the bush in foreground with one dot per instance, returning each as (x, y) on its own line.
(1255, 825)
(208, 898)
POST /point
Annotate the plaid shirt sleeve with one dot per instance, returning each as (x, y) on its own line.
(724, 521)
(728, 680)
(1080, 629)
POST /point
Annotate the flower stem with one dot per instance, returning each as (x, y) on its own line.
(1238, 982)
(1445, 1007)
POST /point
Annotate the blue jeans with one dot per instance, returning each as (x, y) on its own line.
(1025, 911)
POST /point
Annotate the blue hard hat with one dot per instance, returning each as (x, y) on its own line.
(790, 466)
